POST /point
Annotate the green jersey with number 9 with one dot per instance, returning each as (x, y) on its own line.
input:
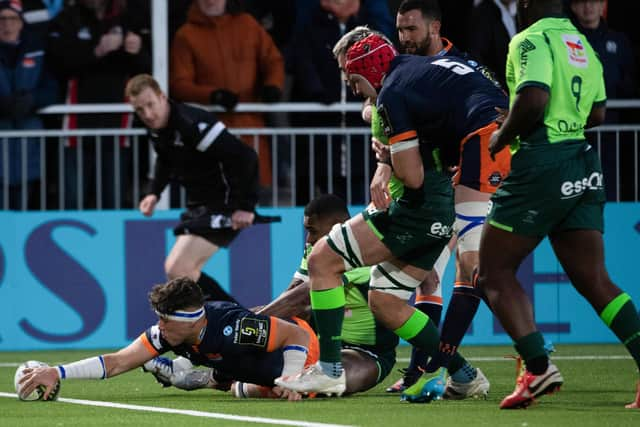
(553, 55)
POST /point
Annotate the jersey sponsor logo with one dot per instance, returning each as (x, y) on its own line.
(386, 123)
(438, 229)
(525, 47)
(530, 216)
(573, 127)
(574, 188)
(154, 337)
(228, 330)
(252, 331)
(575, 50)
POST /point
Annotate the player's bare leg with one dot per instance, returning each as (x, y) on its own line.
(581, 254)
(187, 258)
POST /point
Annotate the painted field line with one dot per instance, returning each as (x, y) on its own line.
(473, 359)
(192, 413)
(509, 359)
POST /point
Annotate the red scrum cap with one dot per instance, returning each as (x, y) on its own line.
(370, 58)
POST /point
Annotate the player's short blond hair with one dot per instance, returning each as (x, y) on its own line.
(352, 37)
(140, 82)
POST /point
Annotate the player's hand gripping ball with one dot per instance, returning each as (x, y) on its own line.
(38, 393)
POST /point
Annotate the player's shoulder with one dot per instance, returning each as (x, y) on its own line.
(222, 307)
(193, 113)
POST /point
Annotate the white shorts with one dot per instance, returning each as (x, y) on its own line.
(470, 218)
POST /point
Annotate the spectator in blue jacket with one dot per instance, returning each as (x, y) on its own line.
(25, 86)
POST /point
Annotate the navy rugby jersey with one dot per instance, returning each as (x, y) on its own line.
(236, 342)
(439, 99)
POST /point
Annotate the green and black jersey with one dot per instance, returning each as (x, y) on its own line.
(553, 55)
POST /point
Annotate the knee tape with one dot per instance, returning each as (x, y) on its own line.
(470, 217)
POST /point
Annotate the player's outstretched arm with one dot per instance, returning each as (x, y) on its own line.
(98, 367)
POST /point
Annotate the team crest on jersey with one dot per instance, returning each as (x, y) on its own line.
(494, 179)
(252, 331)
(576, 51)
(386, 123)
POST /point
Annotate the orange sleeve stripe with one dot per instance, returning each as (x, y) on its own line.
(463, 285)
(145, 341)
(273, 331)
(428, 298)
(402, 136)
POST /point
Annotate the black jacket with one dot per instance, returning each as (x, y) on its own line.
(216, 169)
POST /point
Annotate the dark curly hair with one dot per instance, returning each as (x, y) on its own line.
(177, 294)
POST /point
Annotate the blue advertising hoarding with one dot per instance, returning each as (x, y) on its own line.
(80, 279)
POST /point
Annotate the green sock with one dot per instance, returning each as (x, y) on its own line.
(420, 332)
(621, 316)
(328, 313)
(531, 348)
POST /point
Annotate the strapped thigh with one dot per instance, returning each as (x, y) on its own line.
(344, 243)
(388, 278)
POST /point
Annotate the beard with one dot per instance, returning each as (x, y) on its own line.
(412, 48)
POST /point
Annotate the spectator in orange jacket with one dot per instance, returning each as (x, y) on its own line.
(222, 57)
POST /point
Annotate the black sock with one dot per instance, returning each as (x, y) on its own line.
(531, 348)
(212, 290)
(460, 313)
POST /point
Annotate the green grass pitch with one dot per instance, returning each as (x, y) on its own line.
(594, 394)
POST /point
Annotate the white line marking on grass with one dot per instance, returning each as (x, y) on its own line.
(509, 358)
(473, 359)
(192, 413)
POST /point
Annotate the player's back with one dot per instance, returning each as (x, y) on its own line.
(553, 55)
(444, 97)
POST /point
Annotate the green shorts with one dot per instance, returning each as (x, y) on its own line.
(562, 195)
(415, 235)
(384, 359)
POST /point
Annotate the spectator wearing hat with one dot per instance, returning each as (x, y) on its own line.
(25, 86)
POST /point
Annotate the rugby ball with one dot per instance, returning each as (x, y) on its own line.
(38, 393)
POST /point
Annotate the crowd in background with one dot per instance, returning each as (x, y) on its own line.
(225, 52)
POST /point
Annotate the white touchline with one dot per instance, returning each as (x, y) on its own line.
(472, 359)
(259, 420)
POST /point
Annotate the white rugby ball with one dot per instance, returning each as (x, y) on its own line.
(38, 393)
